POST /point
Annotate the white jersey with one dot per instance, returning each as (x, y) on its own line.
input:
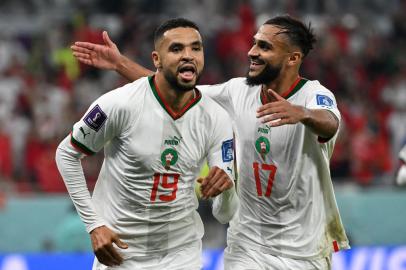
(287, 203)
(145, 189)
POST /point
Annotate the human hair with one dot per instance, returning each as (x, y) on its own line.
(298, 33)
(171, 24)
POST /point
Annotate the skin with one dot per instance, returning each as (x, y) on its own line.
(274, 48)
(178, 47)
(270, 46)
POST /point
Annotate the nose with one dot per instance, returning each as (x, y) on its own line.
(253, 52)
(188, 54)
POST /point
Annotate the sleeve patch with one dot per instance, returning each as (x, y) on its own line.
(96, 118)
(227, 150)
(324, 100)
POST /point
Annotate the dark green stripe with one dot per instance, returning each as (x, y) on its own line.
(297, 88)
(155, 92)
(151, 83)
(85, 150)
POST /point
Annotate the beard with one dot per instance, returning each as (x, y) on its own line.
(266, 76)
(177, 85)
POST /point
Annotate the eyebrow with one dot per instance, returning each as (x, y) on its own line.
(197, 42)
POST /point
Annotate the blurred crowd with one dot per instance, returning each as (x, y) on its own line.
(44, 90)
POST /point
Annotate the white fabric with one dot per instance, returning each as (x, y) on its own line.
(401, 175)
(238, 258)
(136, 194)
(186, 258)
(298, 217)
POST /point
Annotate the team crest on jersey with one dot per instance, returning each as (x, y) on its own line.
(95, 118)
(169, 157)
(324, 100)
(262, 146)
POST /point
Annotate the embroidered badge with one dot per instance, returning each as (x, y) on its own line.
(262, 146)
(227, 150)
(169, 157)
(95, 118)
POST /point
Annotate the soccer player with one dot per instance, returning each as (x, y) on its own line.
(285, 128)
(401, 174)
(156, 133)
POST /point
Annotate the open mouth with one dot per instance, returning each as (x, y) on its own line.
(187, 72)
(254, 63)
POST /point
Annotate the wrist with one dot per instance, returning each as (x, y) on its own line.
(305, 115)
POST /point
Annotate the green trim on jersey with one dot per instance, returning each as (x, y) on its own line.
(296, 88)
(81, 146)
(166, 107)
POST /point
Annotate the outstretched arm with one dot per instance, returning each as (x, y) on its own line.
(108, 56)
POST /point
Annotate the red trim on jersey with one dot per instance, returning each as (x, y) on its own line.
(173, 114)
(77, 147)
(285, 94)
(335, 246)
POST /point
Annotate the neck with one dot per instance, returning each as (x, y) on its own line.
(281, 85)
(175, 99)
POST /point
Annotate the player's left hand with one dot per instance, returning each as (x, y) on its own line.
(280, 111)
(214, 183)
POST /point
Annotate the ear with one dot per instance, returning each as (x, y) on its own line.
(295, 58)
(156, 59)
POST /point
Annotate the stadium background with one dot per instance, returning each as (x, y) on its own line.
(360, 56)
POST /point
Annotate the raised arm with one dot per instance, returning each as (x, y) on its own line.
(108, 56)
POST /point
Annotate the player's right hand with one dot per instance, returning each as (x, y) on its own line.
(102, 242)
(105, 56)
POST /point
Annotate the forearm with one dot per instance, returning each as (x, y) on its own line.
(322, 122)
(68, 162)
(131, 70)
(225, 205)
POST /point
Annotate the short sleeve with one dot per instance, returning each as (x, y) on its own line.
(101, 122)
(323, 99)
(221, 151)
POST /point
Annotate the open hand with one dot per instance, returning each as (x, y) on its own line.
(105, 56)
(280, 112)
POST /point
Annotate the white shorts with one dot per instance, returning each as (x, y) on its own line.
(240, 258)
(187, 258)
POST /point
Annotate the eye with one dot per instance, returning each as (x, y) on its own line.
(264, 46)
(197, 48)
(175, 48)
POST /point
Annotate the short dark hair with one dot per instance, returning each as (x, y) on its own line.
(298, 33)
(171, 24)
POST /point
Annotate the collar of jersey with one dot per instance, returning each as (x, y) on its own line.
(293, 89)
(164, 104)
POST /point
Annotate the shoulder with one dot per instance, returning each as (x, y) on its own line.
(127, 94)
(211, 108)
(314, 86)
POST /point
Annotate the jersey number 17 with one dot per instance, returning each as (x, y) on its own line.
(271, 169)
